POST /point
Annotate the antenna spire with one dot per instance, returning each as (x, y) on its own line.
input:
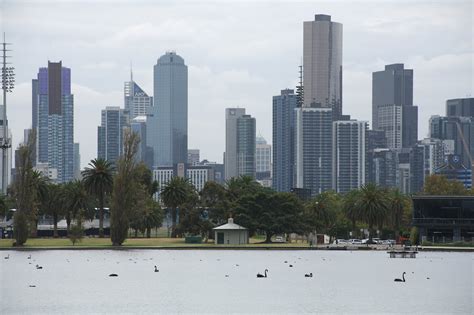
(131, 71)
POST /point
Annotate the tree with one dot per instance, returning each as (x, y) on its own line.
(441, 186)
(175, 194)
(214, 200)
(125, 189)
(52, 204)
(351, 210)
(24, 191)
(39, 190)
(76, 200)
(76, 232)
(397, 205)
(321, 211)
(373, 205)
(98, 180)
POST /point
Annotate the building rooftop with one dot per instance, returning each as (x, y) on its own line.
(230, 225)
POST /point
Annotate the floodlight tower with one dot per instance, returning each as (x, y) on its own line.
(8, 82)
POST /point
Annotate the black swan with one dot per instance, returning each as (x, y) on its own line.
(310, 275)
(156, 269)
(400, 280)
(259, 275)
(113, 275)
(7, 257)
(39, 267)
(291, 266)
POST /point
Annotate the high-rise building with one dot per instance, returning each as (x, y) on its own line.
(263, 159)
(240, 143)
(77, 162)
(137, 102)
(138, 126)
(53, 111)
(460, 107)
(314, 149)
(383, 167)
(453, 169)
(376, 139)
(167, 121)
(110, 133)
(193, 156)
(322, 63)
(284, 106)
(349, 156)
(390, 122)
(394, 86)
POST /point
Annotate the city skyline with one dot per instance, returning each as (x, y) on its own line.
(230, 74)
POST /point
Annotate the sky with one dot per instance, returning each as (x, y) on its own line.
(238, 53)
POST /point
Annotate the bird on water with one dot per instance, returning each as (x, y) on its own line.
(156, 269)
(310, 275)
(400, 280)
(113, 275)
(259, 275)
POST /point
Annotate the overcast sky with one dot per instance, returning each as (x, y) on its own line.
(239, 54)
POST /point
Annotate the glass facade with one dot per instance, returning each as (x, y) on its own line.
(167, 122)
(284, 121)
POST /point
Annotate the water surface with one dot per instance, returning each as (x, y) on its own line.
(194, 281)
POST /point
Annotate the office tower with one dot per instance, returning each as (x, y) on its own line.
(217, 168)
(193, 156)
(383, 167)
(314, 149)
(263, 158)
(390, 122)
(240, 143)
(53, 111)
(322, 63)
(349, 156)
(138, 126)
(394, 86)
(198, 175)
(417, 171)
(77, 162)
(284, 140)
(458, 129)
(110, 133)
(376, 139)
(137, 102)
(167, 122)
(460, 107)
(435, 151)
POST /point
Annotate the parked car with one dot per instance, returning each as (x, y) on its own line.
(376, 240)
(356, 242)
(279, 239)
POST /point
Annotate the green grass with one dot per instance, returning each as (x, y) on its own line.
(135, 242)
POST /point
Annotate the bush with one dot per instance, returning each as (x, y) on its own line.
(414, 235)
(76, 233)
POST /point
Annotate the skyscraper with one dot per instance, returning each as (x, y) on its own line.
(314, 149)
(137, 102)
(193, 157)
(394, 86)
(263, 162)
(389, 119)
(240, 143)
(77, 162)
(54, 116)
(138, 126)
(110, 133)
(284, 106)
(460, 107)
(349, 156)
(167, 122)
(322, 63)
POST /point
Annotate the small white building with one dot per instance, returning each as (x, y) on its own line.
(231, 234)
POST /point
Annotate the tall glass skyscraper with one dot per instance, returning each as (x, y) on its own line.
(322, 63)
(53, 119)
(284, 106)
(137, 102)
(240, 136)
(167, 121)
(393, 87)
(110, 133)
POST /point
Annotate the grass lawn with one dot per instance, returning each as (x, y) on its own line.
(132, 242)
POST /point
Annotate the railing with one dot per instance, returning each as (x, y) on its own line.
(442, 221)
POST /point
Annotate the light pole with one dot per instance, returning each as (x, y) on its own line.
(8, 82)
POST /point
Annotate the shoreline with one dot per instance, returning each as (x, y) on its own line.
(282, 248)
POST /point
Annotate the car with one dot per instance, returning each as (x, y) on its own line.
(356, 242)
(340, 241)
(279, 239)
(376, 240)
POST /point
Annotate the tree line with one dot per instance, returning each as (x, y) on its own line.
(127, 189)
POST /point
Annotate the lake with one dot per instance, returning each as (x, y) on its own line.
(194, 281)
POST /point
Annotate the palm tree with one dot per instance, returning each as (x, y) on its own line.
(350, 208)
(52, 204)
(98, 180)
(75, 199)
(174, 195)
(39, 189)
(398, 202)
(373, 205)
